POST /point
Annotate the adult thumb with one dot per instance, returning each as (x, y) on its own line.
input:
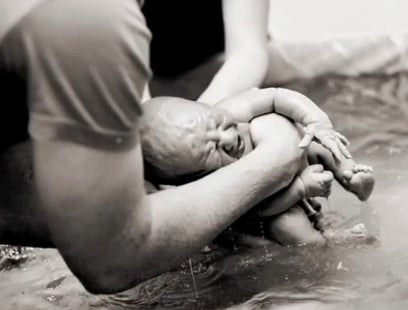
(307, 139)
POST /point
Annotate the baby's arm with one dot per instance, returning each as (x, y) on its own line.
(294, 106)
(289, 103)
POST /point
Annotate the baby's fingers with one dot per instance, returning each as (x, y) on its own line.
(327, 177)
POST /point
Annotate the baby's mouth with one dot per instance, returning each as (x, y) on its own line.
(237, 150)
(241, 146)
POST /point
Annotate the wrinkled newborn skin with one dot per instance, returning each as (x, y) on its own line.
(184, 140)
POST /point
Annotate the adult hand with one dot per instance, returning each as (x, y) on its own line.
(324, 134)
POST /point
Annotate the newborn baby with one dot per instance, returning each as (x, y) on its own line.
(183, 140)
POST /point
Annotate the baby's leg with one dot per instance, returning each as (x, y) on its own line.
(355, 178)
(293, 228)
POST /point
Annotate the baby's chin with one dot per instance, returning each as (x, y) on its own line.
(243, 129)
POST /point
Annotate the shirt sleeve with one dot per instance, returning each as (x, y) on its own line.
(88, 63)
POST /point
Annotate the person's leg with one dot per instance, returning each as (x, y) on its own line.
(295, 226)
(355, 178)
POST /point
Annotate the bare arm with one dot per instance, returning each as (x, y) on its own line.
(146, 94)
(294, 106)
(283, 200)
(112, 235)
(246, 55)
(289, 103)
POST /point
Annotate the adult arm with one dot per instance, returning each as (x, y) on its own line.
(146, 94)
(85, 92)
(113, 236)
(246, 55)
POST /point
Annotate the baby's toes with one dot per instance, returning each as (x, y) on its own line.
(348, 174)
(362, 168)
(368, 169)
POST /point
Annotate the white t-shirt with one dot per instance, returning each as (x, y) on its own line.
(11, 11)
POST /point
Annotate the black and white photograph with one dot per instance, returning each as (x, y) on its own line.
(203, 154)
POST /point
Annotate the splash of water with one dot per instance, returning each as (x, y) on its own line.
(328, 204)
(193, 278)
(262, 229)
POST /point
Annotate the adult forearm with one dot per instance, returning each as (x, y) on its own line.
(240, 72)
(283, 200)
(113, 236)
(186, 218)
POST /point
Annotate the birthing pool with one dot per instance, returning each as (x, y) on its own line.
(364, 274)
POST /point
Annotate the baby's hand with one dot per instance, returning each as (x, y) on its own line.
(324, 134)
(316, 181)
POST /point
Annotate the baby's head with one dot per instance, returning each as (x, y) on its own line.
(183, 140)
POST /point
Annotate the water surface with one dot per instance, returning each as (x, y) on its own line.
(363, 274)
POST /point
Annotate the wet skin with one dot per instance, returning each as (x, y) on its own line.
(218, 141)
(216, 138)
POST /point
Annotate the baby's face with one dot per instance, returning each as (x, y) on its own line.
(194, 139)
(225, 141)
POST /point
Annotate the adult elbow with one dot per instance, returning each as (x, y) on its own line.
(110, 279)
(113, 284)
(107, 277)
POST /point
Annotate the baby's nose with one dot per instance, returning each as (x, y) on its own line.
(228, 137)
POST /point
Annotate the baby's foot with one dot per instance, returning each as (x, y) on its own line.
(359, 180)
(316, 181)
(357, 233)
